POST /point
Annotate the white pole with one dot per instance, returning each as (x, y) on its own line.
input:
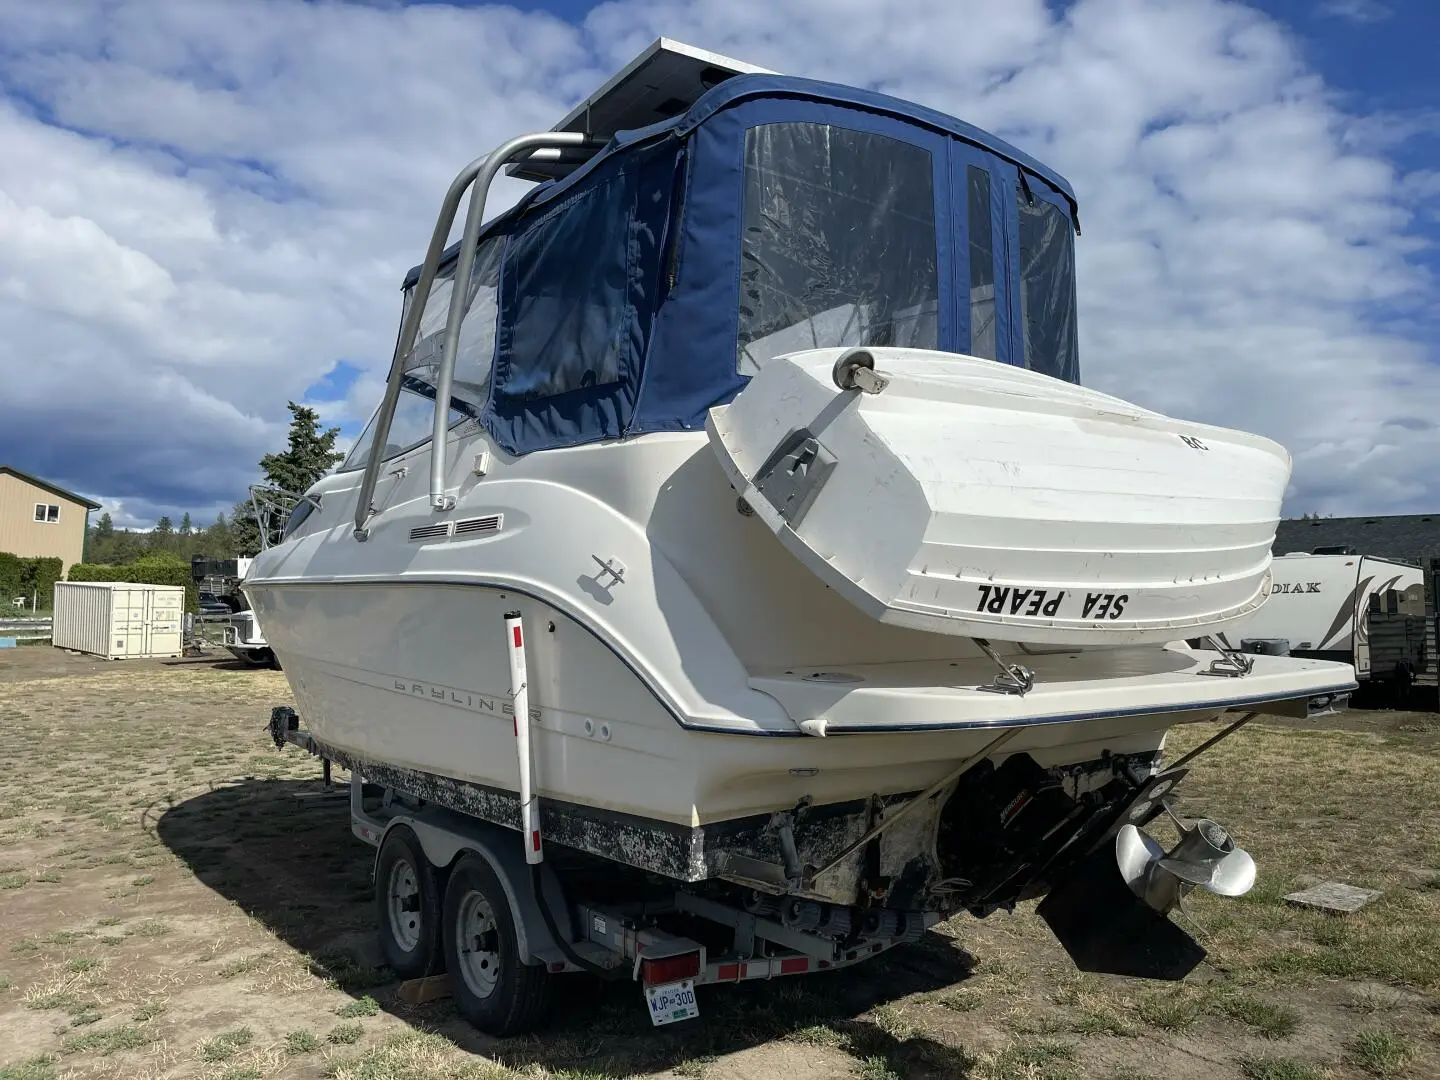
(529, 803)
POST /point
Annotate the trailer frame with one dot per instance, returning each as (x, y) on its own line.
(620, 939)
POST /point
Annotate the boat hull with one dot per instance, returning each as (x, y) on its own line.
(416, 675)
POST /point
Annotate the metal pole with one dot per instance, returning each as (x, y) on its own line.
(409, 325)
(519, 691)
(459, 293)
(1193, 754)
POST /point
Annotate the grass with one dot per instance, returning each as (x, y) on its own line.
(14, 881)
(1032, 1061)
(148, 1011)
(1169, 1012)
(225, 1045)
(346, 1034)
(961, 1000)
(876, 1068)
(1272, 1021)
(1380, 1053)
(243, 965)
(109, 1042)
(365, 1006)
(39, 1068)
(694, 1068)
(56, 1000)
(422, 1056)
(1303, 802)
(1278, 1068)
(1103, 1022)
(301, 1042)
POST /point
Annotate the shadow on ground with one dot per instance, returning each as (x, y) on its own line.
(282, 850)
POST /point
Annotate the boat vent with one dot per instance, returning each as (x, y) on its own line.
(471, 526)
(430, 532)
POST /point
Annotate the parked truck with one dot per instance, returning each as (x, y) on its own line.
(224, 606)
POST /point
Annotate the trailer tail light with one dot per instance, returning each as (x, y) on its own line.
(670, 969)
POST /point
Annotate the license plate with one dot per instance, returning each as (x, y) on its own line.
(672, 1001)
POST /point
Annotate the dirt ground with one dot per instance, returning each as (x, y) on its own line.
(179, 899)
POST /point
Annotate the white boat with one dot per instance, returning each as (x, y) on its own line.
(833, 582)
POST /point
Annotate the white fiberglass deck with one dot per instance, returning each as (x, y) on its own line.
(1069, 687)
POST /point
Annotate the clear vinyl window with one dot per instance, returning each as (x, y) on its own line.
(1047, 289)
(838, 244)
(474, 357)
(982, 263)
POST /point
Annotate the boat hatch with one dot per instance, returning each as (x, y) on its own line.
(962, 496)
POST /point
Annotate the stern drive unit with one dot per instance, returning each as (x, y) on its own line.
(118, 619)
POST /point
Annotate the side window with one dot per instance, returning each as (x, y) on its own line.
(409, 427)
(838, 244)
(415, 407)
(982, 264)
(1047, 289)
(476, 348)
(566, 313)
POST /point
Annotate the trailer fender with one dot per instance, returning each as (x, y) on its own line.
(501, 848)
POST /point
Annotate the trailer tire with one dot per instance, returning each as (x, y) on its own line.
(492, 988)
(409, 887)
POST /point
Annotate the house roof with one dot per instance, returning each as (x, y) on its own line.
(1410, 537)
(54, 489)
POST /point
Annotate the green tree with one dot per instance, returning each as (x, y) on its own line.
(186, 528)
(105, 527)
(217, 541)
(309, 456)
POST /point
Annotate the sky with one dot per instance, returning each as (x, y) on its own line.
(206, 207)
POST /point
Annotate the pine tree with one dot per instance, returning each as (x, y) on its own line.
(218, 542)
(164, 527)
(186, 528)
(105, 527)
(308, 457)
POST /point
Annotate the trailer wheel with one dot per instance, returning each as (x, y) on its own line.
(408, 898)
(493, 990)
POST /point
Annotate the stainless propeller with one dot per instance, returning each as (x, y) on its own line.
(1205, 857)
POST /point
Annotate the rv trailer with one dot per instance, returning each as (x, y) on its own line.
(1319, 603)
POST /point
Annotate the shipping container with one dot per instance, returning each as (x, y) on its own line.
(118, 620)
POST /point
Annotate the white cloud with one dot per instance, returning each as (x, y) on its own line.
(204, 207)
(1358, 11)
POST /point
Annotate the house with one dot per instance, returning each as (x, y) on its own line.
(1412, 538)
(40, 520)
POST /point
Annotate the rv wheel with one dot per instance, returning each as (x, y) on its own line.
(488, 983)
(407, 900)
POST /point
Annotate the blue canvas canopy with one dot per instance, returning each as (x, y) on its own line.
(774, 214)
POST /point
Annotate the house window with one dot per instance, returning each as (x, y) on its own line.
(47, 512)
